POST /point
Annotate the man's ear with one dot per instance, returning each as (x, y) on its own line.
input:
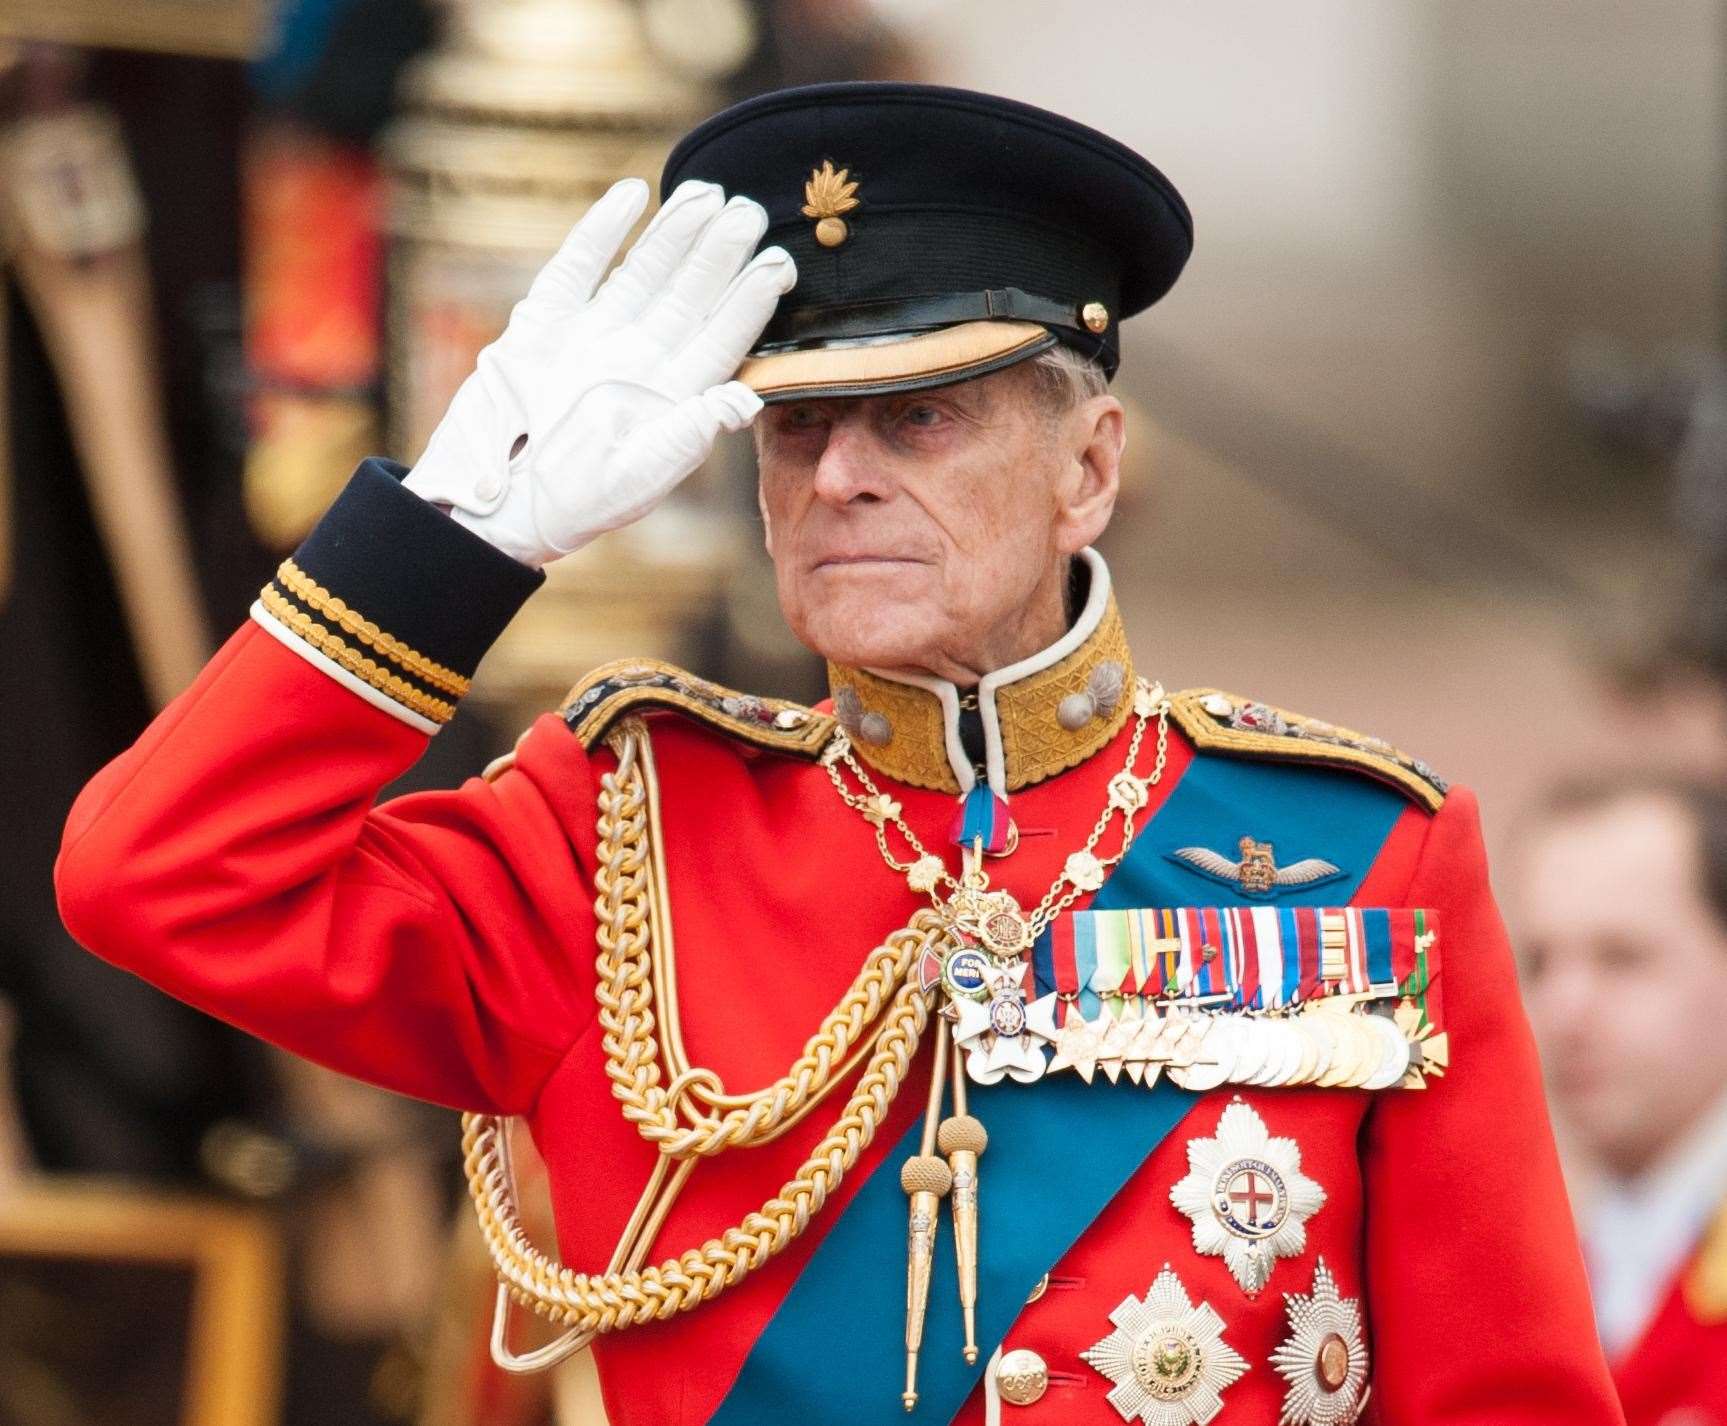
(1096, 433)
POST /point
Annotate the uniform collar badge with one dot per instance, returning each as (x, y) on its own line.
(1257, 873)
(1167, 1358)
(1324, 1358)
(1247, 1196)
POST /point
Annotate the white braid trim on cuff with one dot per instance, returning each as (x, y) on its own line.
(289, 639)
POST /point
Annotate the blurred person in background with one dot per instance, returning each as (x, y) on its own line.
(1621, 885)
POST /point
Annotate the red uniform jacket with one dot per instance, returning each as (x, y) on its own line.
(442, 945)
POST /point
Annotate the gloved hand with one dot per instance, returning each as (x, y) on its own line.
(593, 405)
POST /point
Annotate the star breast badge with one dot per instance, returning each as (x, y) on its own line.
(1167, 1358)
(1324, 1358)
(1257, 873)
(1247, 1196)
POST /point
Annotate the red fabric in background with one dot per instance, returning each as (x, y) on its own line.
(314, 262)
(1675, 1374)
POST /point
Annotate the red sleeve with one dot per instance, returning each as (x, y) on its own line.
(1478, 1299)
(440, 945)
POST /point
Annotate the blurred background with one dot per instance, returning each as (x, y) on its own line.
(1431, 440)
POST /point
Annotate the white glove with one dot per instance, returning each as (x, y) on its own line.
(592, 406)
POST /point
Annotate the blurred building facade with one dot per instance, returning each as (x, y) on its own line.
(1412, 219)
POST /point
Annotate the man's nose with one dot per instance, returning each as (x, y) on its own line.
(850, 468)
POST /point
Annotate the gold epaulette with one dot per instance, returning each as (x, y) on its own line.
(1705, 1283)
(614, 689)
(1222, 722)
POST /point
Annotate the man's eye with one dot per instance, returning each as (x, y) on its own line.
(801, 418)
(923, 415)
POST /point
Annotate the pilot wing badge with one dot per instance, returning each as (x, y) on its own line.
(1256, 873)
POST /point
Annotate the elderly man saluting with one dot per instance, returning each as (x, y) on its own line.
(1017, 1041)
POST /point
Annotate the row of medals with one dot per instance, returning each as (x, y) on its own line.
(1354, 1041)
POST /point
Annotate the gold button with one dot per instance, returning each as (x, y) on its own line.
(1021, 1377)
(1331, 1365)
(1095, 316)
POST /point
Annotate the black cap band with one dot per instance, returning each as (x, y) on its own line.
(813, 326)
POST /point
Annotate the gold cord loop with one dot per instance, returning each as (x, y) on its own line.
(879, 1021)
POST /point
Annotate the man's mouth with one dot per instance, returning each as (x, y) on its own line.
(864, 561)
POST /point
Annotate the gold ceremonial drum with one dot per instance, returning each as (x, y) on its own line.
(525, 114)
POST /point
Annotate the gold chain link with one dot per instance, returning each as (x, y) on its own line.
(880, 809)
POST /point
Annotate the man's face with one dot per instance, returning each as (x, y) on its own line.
(1625, 975)
(931, 530)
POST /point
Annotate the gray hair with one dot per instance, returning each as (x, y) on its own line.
(1064, 377)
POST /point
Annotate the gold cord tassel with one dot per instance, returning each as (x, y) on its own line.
(926, 1180)
(963, 1139)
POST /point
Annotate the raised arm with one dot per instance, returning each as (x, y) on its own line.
(441, 944)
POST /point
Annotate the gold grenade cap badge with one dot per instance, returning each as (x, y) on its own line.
(827, 195)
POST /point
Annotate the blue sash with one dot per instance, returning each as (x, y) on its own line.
(1059, 1150)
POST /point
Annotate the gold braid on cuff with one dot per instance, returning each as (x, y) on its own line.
(683, 1109)
(320, 601)
(356, 663)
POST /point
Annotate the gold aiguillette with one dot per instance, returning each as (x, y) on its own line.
(926, 1180)
(963, 1139)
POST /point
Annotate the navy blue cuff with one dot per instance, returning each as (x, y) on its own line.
(396, 592)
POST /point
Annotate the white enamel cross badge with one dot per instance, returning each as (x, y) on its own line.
(1247, 1196)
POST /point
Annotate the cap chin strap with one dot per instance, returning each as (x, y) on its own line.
(904, 316)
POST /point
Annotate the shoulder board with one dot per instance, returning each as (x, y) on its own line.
(1706, 1279)
(595, 704)
(1222, 722)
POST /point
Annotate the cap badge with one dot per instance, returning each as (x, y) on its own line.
(828, 194)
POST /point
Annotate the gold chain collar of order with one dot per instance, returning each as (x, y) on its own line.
(994, 917)
(975, 915)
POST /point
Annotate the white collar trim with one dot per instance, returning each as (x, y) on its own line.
(947, 693)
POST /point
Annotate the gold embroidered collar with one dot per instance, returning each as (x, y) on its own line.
(1040, 716)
